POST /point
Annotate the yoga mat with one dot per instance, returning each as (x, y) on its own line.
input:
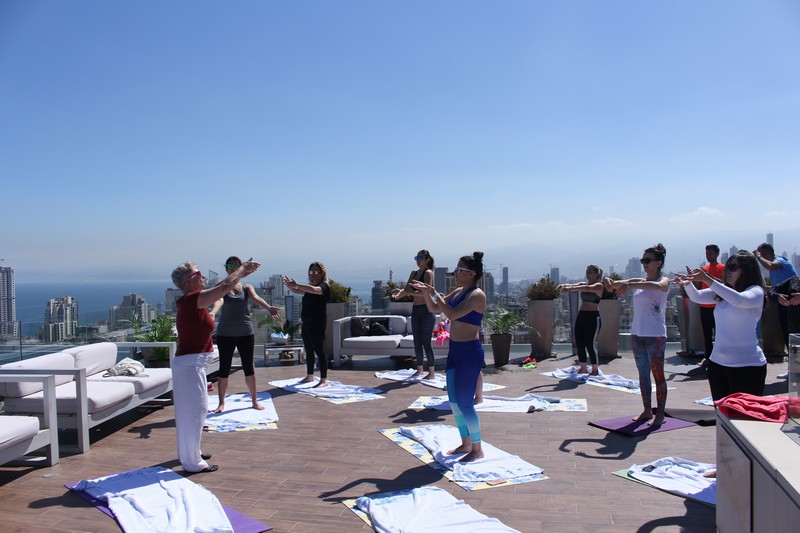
(241, 523)
(626, 426)
(420, 452)
(440, 403)
(239, 414)
(336, 393)
(701, 417)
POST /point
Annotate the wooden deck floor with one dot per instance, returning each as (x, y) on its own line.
(293, 478)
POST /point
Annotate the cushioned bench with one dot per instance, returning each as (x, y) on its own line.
(400, 343)
(84, 398)
(22, 435)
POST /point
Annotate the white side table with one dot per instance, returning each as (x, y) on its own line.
(278, 349)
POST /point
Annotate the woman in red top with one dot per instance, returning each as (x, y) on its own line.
(195, 350)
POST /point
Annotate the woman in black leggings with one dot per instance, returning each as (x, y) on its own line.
(314, 316)
(588, 316)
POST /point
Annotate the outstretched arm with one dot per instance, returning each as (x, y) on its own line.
(212, 294)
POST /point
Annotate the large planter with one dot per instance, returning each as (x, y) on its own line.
(501, 348)
(541, 316)
(689, 326)
(771, 333)
(335, 312)
(608, 332)
(399, 308)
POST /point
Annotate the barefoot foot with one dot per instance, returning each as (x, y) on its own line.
(471, 456)
(656, 422)
(258, 406)
(431, 376)
(417, 374)
(322, 383)
(464, 448)
(220, 408)
(307, 379)
(647, 414)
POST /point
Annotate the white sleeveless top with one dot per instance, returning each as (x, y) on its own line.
(649, 310)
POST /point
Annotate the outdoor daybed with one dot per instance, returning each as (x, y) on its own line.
(398, 343)
(84, 398)
(22, 435)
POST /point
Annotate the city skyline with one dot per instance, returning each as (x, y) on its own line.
(138, 136)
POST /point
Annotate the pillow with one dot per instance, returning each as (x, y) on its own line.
(379, 326)
(359, 327)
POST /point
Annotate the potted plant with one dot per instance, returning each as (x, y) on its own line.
(502, 324)
(282, 333)
(336, 309)
(162, 329)
(610, 309)
(541, 312)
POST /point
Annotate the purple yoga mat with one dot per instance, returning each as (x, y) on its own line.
(626, 426)
(241, 523)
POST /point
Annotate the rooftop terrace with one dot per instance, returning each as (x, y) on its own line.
(294, 478)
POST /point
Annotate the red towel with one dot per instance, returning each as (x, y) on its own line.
(750, 407)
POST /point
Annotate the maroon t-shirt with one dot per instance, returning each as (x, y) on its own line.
(194, 326)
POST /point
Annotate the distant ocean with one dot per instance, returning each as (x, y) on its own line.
(96, 298)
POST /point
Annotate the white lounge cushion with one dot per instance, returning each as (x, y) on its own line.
(51, 360)
(16, 429)
(100, 396)
(408, 342)
(94, 358)
(377, 342)
(152, 378)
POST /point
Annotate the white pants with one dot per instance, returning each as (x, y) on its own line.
(190, 394)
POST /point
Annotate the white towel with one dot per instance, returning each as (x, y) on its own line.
(499, 404)
(495, 465)
(156, 499)
(239, 411)
(679, 476)
(426, 509)
(708, 400)
(333, 389)
(607, 380)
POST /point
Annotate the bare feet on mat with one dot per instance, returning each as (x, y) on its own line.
(657, 421)
(472, 456)
(647, 414)
(220, 408)
(417, 374)
(258, 406)
(583, 370)
(710, 474)
(595, 371)
(430, 376)
(307, 379)
(322, 383)
(464, 448)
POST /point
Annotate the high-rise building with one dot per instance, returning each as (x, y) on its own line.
(634, 268)
(771, 239)
(503, 288)
(488, 287)
(60, 319)
(733, 251)
(133, 308)
(8, 303)
(555, 274)
(378, 300)
(171, 296)
(440, 279)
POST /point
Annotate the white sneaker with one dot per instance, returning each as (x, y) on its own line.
(785, 375)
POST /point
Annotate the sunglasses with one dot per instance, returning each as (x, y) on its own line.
(456, 270)
(647, 260)
(419, 257)
(315, 272)
(233, 266)
(193, 274)
(733, 267)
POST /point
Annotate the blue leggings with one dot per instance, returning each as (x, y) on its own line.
(464, 363)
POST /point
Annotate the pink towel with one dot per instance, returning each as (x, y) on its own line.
(766, 408)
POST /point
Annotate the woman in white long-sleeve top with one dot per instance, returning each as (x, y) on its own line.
(737, 363)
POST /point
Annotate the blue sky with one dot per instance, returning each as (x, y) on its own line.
(135, 135)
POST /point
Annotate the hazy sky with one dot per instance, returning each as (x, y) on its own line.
(135, 135)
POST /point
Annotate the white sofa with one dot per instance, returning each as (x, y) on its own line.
(22, 435)
(399, 344)
(84, 398)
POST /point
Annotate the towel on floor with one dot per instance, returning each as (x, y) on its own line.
(426, 509)
(438, 439)
(499, 404)
(239, 414)
(335, 392)
(440, 382)
(679, 476)
(611, 381)
(158, 499)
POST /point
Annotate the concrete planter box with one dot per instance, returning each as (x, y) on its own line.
(541, 319)
(608, 332)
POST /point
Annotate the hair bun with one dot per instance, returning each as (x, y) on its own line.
(477, 255)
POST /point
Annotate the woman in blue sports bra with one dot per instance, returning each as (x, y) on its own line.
(464, 307)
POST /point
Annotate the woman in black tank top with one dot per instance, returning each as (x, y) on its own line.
(586, 323)
(422, 320)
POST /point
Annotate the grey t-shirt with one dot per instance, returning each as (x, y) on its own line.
(234, 316)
